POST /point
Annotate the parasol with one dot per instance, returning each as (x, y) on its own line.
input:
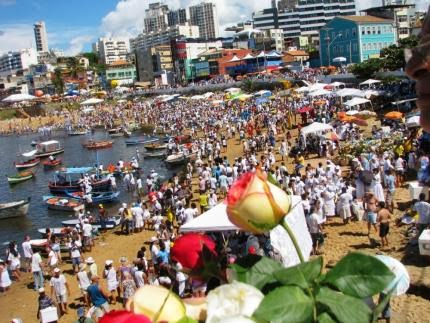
(394, 115)
(401, 281)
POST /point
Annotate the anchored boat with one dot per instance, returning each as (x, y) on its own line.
(14, 209)
(45, 149)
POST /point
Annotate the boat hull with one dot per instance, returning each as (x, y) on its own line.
(140, 142)
(51, 164)
(110, 223)
(51, 153)
(27, 165)
(56, 188)
(15, 179)
(19, 209)
(55, 203)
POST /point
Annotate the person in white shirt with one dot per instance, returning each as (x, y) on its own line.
(59, 290)
(315, 230)
(28, 252)
(344, 205)
(52, 258)
(37, 270)
(87, 231)
(83, 282)
(75, 254)
(137, 213)
(399, 165)
(423, 209)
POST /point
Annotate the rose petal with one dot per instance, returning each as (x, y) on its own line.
(124, 317)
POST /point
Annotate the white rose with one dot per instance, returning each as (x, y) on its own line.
(235, 299)
(237, 319)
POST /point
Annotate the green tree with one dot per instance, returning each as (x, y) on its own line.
(393, 56)
(366, 69)
(58, 81)
(92, 58)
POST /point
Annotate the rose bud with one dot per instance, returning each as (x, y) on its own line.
(149, 299)
(256, 205)
(193, 251)
(124, 317)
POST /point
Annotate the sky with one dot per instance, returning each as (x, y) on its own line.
(73, 25)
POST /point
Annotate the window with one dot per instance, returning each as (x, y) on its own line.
(368, 30)
(363, 31)
(354, 32)
(373, 30)
(379, 30)
(380, 45)
(364, 46)
(346, 33)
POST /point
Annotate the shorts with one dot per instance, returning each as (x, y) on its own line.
(76, 261)
(84, 291)
(371, 217)
(87, 241)
(62, 298)
(26, 262)
(99, 311)
(317, 238)
(384, 229)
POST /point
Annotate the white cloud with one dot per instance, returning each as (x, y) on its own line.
(15, 37)
(77, 44)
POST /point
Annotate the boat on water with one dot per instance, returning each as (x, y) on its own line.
(27, 164)
(45, 149)
(56, 232)
(153, 147)
(179, 158)
(78, 132)
(14, 209)
(118, 132)
(65, 204)
(20, 177)
(155, 154)
(98, 144)
(34, 143)
(94, 197)
(69, 180)
(49, 164)
(110, 223)
(140, 141)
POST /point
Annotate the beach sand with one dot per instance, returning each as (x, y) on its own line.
(21, 301)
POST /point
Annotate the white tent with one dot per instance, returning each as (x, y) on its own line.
(19, 97)
(302, 89)
(369, 93)
(216, 219)
(248, 56)
(320, 92)
(208, 94)
(317, 86)
(350, 92)
(92, 101)
(356, 101)
(198, 97)
(337, 84)
(235, 59)
(315, 128)
(370, 82)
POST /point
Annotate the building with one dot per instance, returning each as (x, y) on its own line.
(277, 37)
(156, 17)
(120, 71)
(165, 36)
(304, 20)
(40, 36)
(205, 16)
(177, 17)
(17, 61)
(154, 63)
(295, 56)
(356, 38)
(241, 26)
(286, 4)
(250, 39)
(112, 49)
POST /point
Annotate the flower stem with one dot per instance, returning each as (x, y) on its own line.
(293, 239)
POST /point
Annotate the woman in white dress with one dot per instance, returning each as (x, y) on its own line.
(359, 187)
(378, 191)
(111, 280)
(329, 207)
(5, 281)
(13, 259)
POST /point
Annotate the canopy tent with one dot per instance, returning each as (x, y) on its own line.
(261, 54)
(317, 86)
(337, 84)
(235, 59)
(273, 54)
(315, 128)
(370, 82)
(208, 94)
(350, 92)
(356, 101)
(92, 101)
(369, 93)
(248, 56)
(339, 59)
(216, 220)
(263, 93)
(302, 89)
(198, 97)
(320, 92)
(19, 98)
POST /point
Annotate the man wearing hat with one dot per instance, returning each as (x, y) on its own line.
(44, 301)
(92, 266)
(60, 288)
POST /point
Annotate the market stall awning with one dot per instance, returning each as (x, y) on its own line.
(370, 82)
(316, 127)
(19, 98)
(356, 101)
(350, 92)
(320, 92)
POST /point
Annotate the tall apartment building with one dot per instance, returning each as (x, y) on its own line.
(19, 60)
(40, 36)
(286, 4)
(205, 16)
(161, 37)
(156, 17)
(305, 20)
(177, 17)
(112, 49)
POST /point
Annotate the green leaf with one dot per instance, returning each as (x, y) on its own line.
(187, 319)
(325, 318)
(359, 275)
(380, 307)
(256, 271)
(345, 308)
(302, 275)
(285, 304)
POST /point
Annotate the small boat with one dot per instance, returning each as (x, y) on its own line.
(166, 139)
(116, 132)
(98, 144)
(45, 149)
(39, 244)
(152, 147)
(14, 209)
(111, 223)
(34, 143)
(56, 232)
(140, 141)
(27, 164)
(51, 163)
(20, 177)
(179, 158)
(156, 154)
(63, 204)
(78, 132)
(96, 197)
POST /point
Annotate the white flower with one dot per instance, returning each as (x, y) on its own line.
(235, 299)
(237, 319)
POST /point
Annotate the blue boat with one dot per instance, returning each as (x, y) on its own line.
(140, 141)
(69, 179)
(96, 197)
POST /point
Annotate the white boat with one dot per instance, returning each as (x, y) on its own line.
(179, 158)
(45, 149)
(110, 223)
(14, 209)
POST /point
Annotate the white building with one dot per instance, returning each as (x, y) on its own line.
(205, 16)
(19, 60)
(40, 36)
(112, 49)
(148, 40)
(277, 35)
(156, 17)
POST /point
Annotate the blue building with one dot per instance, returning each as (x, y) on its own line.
(355, 38)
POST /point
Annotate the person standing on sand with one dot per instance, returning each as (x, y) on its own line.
(44, 301)
(423, 209)
(98, 297)
(384, 217)
(111, 279)
(28, 252)
(370, 203)
(60, 289)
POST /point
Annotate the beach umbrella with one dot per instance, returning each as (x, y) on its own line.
(401, 281)
(393, 115)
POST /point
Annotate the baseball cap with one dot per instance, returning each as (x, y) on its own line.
(41, 290)
(56, 270)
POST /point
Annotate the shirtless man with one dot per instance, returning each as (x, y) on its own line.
(370, 202)
(384, 217)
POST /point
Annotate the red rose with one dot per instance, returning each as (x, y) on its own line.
(188, 250)
(124, 317)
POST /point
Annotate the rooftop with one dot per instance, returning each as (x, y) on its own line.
(366, 19)
(297, 53)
